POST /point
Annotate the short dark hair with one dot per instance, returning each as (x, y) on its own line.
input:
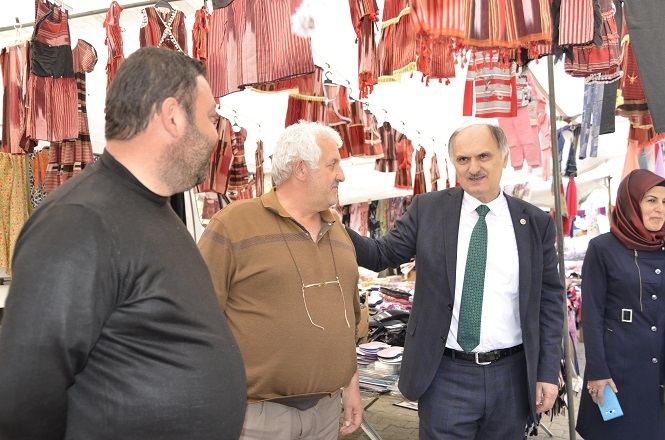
(497, 133)
(144, 80)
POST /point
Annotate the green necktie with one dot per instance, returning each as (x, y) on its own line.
(471, 307)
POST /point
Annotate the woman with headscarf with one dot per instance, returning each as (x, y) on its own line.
(623, 296)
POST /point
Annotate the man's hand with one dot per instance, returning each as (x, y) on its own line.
(353, 407)
(597, 389)
(545, 396)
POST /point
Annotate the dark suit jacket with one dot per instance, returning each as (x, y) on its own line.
(428, 230)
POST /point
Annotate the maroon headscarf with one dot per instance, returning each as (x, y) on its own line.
(626, 223)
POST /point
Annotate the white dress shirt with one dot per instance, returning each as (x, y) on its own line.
(500, 322)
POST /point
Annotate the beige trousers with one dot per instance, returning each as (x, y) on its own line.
(274, 421)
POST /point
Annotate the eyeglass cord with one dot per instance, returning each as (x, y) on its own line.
(302, 281)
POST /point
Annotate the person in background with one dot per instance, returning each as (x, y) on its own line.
(483, 344)
(624, 315)
(286, 277)
(111, 327)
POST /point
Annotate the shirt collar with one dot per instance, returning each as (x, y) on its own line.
(270, 202)
(496, 206)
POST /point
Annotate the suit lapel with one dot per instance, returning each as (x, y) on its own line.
(452, 205)
(521, 225)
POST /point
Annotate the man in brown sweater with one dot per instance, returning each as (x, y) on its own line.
(285, 273)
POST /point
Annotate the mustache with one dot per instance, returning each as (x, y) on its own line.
(476, 175)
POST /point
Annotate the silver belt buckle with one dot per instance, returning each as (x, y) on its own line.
(478, 362)
(626, 315)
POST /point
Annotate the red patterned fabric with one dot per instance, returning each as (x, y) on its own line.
(634, 101)
(434, 174)
(251, 44)
(589, 59)
(396, 52)
(357, 129)
(493, 81)
(364, 15)
(404, 150)
(419, 185)
(14, 64)
(373, 145)
(163, 29)
(52, 109)
(220, 160)
(575, 22)
(200, 35)
(389, 161)
(239, 188)
(113, 41)
(506, 24)
(66, 159)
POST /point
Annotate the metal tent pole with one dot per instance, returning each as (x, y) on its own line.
(556, 182)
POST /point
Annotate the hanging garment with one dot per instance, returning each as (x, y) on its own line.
(338, 114)
(645, 23)
(113, 41)
(14, 65)
(592, 110)
(358, 217)
(52, 109)
(576, 22)
(307, 101)
(37, 176)
(357, 129)
(200, 33)
(13, 204)
(373, 224)
(252, 44)
(68, 158)
(404, 149)
(373, 145)
(607, 119)
(259, 174)
(602, 62)
(520, 138)
(239, 188)
(163, 29)
(507, 24)
(389, 161)
(364, 15)
(634, 101)
(493, 81)
(434, 174)
(419, 185)
(220, 160)
(396, 51)
(436, 58)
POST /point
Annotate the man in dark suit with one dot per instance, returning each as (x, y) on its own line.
(510, 367)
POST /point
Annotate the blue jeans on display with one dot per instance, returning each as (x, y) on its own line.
(591, 115)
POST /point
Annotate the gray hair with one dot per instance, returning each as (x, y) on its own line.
(299, 141)
(497, 133)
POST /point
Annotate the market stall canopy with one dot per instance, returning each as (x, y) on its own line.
(427, 114)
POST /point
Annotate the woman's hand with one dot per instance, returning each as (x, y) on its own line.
(597, 388)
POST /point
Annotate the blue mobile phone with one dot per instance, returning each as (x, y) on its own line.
(611, 408)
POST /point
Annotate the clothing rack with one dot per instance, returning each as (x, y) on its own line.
(83, 14)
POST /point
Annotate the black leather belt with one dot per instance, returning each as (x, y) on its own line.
(485, 358)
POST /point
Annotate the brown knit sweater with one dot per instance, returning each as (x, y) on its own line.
(254, 251)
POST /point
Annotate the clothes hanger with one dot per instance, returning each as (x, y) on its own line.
(328, 81)
(235, 127)
(17, 28)
(164, 4)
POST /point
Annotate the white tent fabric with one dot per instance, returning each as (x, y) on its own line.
(428, 115)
